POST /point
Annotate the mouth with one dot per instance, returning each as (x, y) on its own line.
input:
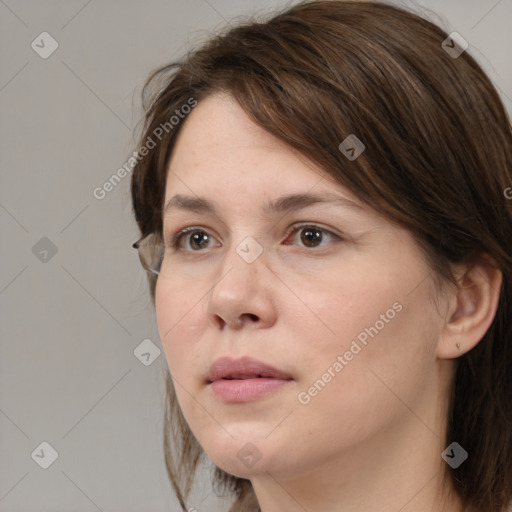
(242, 369)
(245, 379)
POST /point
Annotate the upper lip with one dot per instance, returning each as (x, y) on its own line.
(245, 367)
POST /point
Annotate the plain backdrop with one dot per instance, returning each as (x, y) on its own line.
(74, 304)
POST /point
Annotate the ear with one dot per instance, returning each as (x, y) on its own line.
(471, 309)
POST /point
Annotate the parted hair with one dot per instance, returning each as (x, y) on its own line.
(437, 161)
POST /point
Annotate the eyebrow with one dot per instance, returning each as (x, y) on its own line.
(282, 204)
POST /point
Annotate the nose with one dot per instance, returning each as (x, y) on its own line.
(242, 295)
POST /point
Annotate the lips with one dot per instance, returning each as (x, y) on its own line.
(244, 368)
(235, 381)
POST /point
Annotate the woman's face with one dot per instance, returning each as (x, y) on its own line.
(331, 294)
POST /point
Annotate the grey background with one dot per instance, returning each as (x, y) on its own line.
(70, 324)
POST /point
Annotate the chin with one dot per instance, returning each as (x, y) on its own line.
(245, 455)
(248, 468)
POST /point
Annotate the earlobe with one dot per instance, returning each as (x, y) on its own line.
(471, 308)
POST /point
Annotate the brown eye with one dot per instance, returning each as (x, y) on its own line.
(312, 236)
(197, 238)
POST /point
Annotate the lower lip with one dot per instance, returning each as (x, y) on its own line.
(245, 390)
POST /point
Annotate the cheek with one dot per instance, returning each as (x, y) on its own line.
(384, 347)
(342, 305)
(372, 319)
(180, 321)
(371, 300)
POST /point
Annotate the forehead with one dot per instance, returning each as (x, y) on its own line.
(220, 150)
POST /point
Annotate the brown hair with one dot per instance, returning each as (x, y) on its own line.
(437, 161)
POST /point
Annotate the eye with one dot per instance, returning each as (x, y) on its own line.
(197, 238)
(311, 237)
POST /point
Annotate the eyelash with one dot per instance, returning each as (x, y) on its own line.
(176, 239)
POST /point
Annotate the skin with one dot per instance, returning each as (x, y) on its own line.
(372, 438)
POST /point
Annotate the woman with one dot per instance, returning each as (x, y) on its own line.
(323, 212)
